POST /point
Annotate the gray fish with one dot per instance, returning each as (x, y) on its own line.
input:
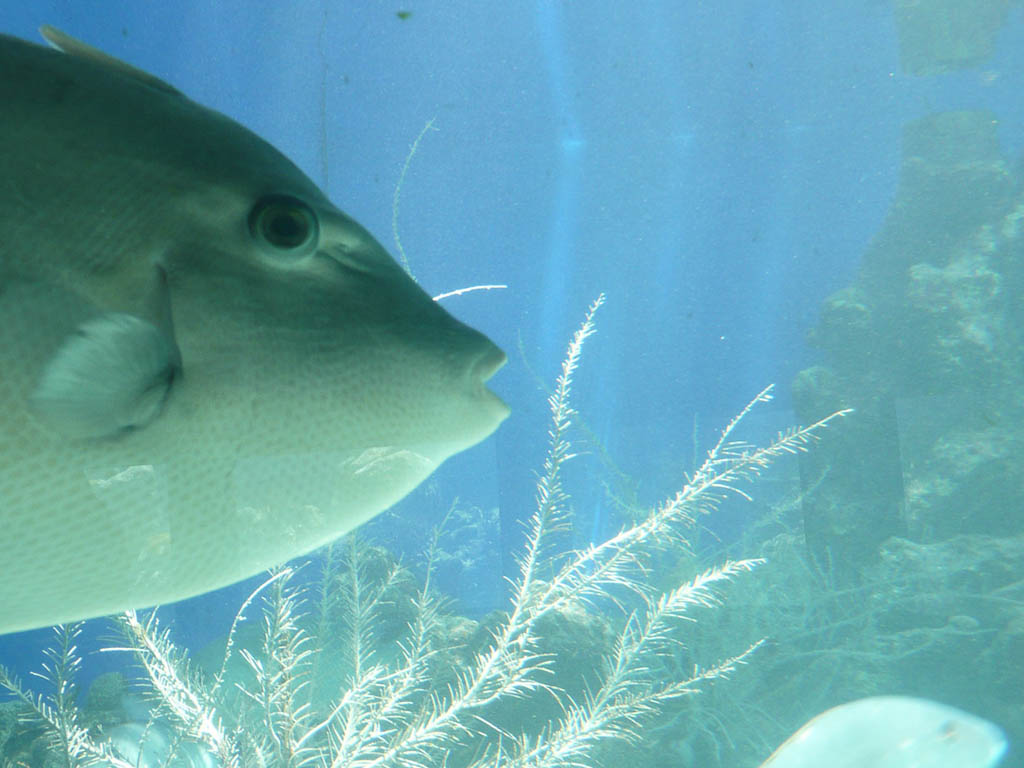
(206, 368)
(892, 732)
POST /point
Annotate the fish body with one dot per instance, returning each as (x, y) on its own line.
(892, 732)
(206, 368)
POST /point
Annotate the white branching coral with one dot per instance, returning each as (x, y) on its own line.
(395, 710)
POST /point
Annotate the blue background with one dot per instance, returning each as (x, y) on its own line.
(716, 168)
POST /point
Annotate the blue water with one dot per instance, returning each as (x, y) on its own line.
(715, 168)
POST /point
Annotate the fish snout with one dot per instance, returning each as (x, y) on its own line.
(491, 360)
(479, 360)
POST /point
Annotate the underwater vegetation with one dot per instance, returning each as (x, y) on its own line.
(912, 583)
(430, 689)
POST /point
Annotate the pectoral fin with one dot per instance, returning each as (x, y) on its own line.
(113, 374)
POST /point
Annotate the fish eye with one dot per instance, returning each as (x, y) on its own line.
(286, 224)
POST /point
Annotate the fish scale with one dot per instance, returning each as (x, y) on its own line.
(186, 398)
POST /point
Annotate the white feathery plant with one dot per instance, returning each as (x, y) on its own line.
(178, 691)
(396, 714)
(58, 712)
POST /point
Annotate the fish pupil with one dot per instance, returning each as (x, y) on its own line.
(286, 228)
(283, 222)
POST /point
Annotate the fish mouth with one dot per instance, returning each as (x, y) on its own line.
(489, 363)
(483, 368)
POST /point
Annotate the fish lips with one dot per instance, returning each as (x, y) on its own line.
(489, 363)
